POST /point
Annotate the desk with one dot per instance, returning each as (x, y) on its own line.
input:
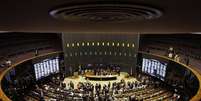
(101, 77)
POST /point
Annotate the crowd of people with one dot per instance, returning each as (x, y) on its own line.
(86, 91)
(89, 92)
(104, 92)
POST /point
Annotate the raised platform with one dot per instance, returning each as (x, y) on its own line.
(79, 78)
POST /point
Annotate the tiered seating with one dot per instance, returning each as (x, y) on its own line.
(183, 44)
(146, 94)
(15, 45)
(32, 96)
(12, 44)
(159, 96)
(184, 48)
(141, 93)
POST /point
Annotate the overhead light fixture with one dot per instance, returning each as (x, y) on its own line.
(106, 12)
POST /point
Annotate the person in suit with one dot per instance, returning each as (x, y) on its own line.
(71, 85)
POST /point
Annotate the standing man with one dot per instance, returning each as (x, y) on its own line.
(36, 52)
(71, 71)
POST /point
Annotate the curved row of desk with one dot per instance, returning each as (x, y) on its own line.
(196, 97)
(101, 78)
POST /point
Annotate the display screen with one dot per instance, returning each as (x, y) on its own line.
(154, 68)
(46, 67)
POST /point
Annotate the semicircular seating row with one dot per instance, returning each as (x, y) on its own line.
(16, 47)
(184, 52)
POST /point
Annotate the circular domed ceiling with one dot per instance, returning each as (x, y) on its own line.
(106, 12)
